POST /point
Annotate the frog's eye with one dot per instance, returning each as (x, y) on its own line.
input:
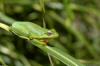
(49, 33)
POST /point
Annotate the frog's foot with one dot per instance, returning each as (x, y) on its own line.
(30, 38)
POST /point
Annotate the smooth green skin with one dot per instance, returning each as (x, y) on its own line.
(28, 30)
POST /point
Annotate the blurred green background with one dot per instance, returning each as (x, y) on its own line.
(76, 21)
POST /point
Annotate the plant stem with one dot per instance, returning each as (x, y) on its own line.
(51, 62)
(4, 26)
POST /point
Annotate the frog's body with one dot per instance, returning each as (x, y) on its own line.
(30, 30)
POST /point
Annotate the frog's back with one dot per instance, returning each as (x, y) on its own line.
(27, 28)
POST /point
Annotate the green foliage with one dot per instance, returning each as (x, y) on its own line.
(76, 21)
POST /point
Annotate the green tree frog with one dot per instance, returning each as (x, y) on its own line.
(28, 30)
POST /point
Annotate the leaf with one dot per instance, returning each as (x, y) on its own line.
(58, 54)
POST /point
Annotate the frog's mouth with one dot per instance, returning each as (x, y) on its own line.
(49, 37)
(42, 38)
(45, 39)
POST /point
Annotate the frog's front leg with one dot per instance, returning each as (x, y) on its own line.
(24, 37)
(45, 41)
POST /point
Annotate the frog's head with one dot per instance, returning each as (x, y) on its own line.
(50, 34)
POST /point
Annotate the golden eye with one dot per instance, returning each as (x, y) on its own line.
(49, 33)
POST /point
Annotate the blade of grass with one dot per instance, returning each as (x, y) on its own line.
(43, 9)
(78, 34)
(2, 5)
(85, 9)
(4, 26)
(14, 55)
(2, 62)
(90, 61)
(92, 21)
(60, 55)
(6, 19)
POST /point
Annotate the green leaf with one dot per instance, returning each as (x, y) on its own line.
(59, 54)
